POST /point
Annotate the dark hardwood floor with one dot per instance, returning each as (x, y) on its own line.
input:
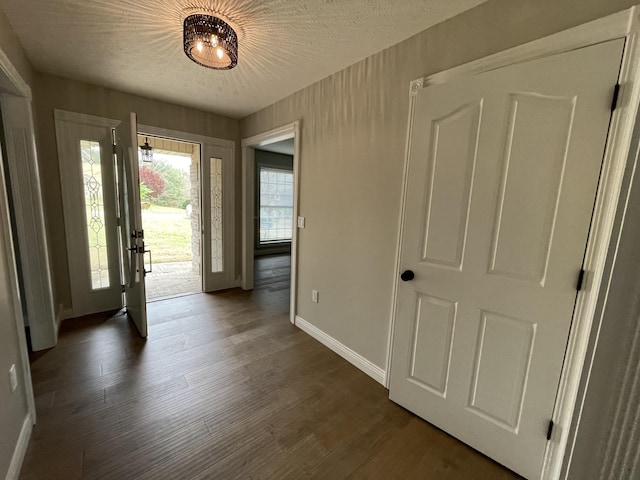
(224, 388)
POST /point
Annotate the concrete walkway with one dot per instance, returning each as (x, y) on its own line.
(170, 280)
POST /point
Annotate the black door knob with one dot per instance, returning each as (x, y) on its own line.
(407, 275)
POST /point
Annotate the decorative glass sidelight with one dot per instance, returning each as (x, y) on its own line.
(94, 212)
(216, 216)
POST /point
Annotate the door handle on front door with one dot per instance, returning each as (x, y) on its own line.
(150, 262)
(407, 275)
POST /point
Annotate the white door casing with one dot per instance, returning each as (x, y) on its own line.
(131, 231)
(221, 153)
(24, 174)
(495, 226)
(284, 132)
(71, 128)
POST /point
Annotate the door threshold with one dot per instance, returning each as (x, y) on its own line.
(171, 297)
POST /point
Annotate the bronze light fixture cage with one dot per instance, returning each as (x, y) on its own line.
(210, 42)
(147, 151)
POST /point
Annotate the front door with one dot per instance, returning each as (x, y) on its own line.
(503, 171)
(130, 221)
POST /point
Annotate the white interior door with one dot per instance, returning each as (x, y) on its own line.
(132, 234)
(503, 171)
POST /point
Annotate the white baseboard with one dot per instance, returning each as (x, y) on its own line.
(375, 372)
(59, 315)
(67, 313)
(21, 448)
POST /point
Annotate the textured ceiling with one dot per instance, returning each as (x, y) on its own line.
(284, 146)
(284, 45)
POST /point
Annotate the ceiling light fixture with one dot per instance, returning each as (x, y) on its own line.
(146, 151)
(210, 42)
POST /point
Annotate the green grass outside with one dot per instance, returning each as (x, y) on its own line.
(167, 233)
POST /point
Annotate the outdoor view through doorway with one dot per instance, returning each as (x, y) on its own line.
(170, 200)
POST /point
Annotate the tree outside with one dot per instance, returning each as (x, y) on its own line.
(164, 194)
(151, 185)
(171, 183)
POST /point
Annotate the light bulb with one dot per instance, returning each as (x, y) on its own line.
(214, 40)
(199, 45)
(220, 53)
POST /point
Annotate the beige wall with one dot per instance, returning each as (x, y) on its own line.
(51, 92)
(13, 406)
(12, 48)
(352, 152)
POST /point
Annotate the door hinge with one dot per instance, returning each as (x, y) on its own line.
(122, 288)
(580, 280)
(614, 100)
(550, 429)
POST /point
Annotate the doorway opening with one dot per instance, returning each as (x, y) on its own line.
(171, 217)
(273, 216)
(270, 170)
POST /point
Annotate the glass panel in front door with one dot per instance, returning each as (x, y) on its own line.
(94, 213)
(217, 257)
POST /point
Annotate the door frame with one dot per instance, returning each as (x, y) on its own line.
(284, 132)
(15, 99)
(605, 226)
(229, 211)
(66, 126)
(26, 193)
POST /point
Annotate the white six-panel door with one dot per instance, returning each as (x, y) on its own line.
(502, 174)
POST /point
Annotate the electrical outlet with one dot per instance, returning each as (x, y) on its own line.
(314, 296)
(13, 378)
(300, 222)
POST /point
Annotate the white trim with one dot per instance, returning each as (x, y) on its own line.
(12, 80)
(375, 372)
(590, 303)
(413, 89)
(184, 136)
(617, 25)
(21, 449)
(603, 237)
(84, 119)
(209, 282)
(248, 205)
(17, 87)
(65, 313)
(9, 253)
(30, 229)
(6, 235)
(59, 315)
